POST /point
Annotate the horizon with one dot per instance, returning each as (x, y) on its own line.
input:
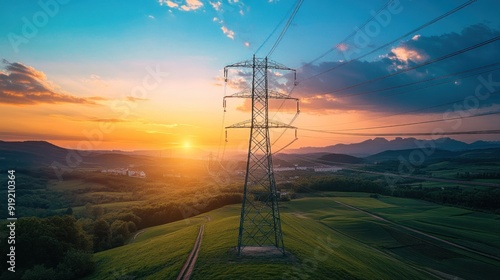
(188, 150)
(149, 76)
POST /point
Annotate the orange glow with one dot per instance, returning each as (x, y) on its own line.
(405, 54)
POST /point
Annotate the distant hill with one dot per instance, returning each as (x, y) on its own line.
(405, 154)
(30, 154)
(340, 158)
(34, 154)
(484, 155)
(378, 145)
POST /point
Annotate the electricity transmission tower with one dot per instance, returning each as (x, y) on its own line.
(260, 224)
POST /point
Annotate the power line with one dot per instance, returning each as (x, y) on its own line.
(395, 40)
(428, 80)
(474, 132)
(351, 34)
(275, 29)
(285, 28)
(331, 49)
(456, 9)
(424, 87)
(417, 110)
(422, 122)
(419, 65)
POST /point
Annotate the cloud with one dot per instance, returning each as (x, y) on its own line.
(229, 33)
(216, 5)
(151, 17)
(97, 98)
(406, 54)
(182, 5)
(111, 120)
(24, 85)
(231, 8)
(323, 93)
(221, 8)
(135, 99)
(96, 81)
(168, 3)
(192, 5)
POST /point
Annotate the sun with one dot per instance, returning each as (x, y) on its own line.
(186, 145)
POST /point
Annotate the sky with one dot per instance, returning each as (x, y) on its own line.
(135, 75)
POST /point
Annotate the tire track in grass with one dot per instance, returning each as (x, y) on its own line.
(188, 267)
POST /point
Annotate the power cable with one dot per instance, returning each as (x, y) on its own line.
(275, 29)
(395, 40)
(351, 34)
(428, 80)
(285, 28)
(492, 40)
(474, 132)
(421, 122)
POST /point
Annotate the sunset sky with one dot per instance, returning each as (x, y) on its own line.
(149, 74)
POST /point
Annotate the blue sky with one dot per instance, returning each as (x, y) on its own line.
(100, 50)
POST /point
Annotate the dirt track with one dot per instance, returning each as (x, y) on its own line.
(188, 267)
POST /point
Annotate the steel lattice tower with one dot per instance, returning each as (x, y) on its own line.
(260, 223)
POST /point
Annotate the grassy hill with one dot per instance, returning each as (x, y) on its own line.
(325, 239)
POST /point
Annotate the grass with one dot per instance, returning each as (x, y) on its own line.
(157, 257)
(324, 240)
(312, 256)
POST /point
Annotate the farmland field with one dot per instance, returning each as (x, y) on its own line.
(334, 237)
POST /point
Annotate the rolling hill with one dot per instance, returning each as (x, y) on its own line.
(377, 145)
(336, 237)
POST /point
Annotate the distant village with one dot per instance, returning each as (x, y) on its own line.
(142, 174)
(125, 172)
(308, 168)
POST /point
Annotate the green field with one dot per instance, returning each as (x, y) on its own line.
(324, 240)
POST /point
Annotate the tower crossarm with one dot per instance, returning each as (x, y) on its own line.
(243, 124)
(278, 95)
(272, 94)
(270, 124)
(242, 94)
(262, 63)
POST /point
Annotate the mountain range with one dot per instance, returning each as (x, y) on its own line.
(378, 145)
(40, 153)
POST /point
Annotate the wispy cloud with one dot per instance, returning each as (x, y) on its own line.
(135, 99)
(168, 3)
(182, 5)
(109, 120)
(228, 32)
(95, 80)
(24, 85)
(231, 7)
(216, 5)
